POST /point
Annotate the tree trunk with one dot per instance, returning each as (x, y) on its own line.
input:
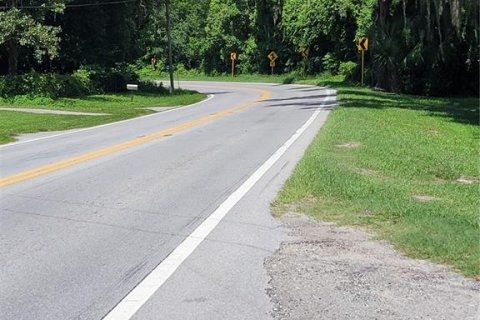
(381, 74)
(12, 57)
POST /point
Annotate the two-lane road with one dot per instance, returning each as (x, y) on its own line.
(160, 217)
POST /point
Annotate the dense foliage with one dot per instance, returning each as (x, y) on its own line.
(426, 46)
(419, 46)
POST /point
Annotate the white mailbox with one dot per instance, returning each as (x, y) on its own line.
(132, 87)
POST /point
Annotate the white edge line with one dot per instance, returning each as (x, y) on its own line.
(209, 97)
(130, 304)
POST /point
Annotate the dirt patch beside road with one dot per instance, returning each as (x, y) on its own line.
(331, 272)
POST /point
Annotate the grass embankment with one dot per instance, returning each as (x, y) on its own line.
(404, 166)
(118, 106)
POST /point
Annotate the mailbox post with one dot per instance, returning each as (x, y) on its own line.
(131, 88)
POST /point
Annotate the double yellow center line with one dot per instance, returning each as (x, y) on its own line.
(32, 173)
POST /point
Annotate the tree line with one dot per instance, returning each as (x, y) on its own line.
(417, 46)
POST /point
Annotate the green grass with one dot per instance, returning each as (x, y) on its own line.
(118, 106)
(378, 151)
(193, 75)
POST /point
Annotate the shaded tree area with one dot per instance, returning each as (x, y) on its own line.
(426, 46)
(102, 35)
(418, 46)
(72, 33)
(323, 26)
(24, 33)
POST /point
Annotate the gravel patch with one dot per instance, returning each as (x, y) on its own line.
(348, 145)
(424, 198)
(161, 109)
(468, 180)
(330, 272)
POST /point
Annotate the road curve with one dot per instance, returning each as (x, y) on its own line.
(87, 215)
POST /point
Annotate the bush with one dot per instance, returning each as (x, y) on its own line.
(330, 63)
(42, 85)
(84, 78)
(347, 69)
(152, 87)
(288, 80)
(70, 86)
(146, 71)
(110, 80)
(180, 70)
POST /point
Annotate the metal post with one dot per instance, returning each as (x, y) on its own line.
(363, 64)
(169, 39)
(233, 67)
(178, 80)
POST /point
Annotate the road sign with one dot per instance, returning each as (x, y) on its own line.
(233, 57)
(272, 56)
(305, 52)
(362, 44)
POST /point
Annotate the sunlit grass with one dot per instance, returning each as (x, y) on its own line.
(117, 106)
(402, 165)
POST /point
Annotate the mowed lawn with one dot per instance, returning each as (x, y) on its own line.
(406, 167)
(117, 106)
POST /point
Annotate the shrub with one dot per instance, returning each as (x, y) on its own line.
(288, 80)
(110, 80)
(348, 69)
(330, 63)
(152, 87)
(84, 78)
(69, 86)
(146, 71)
(42, 85)
(181, 70)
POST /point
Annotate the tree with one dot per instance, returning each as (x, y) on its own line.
(426, 47)
(19, 28)
(227, 29)
(326, 26)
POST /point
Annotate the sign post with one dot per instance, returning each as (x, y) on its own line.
(272, 56)
(362, 46)
(305, 53)
(272, 65)
(233, 58)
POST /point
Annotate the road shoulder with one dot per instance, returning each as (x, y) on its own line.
(343, 273)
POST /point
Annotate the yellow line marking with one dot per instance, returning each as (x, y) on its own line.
(32, 173)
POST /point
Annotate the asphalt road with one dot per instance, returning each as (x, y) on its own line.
(173, 207)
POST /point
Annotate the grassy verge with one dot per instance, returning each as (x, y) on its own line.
(118, 106)
(149, 74)
(404, 166)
